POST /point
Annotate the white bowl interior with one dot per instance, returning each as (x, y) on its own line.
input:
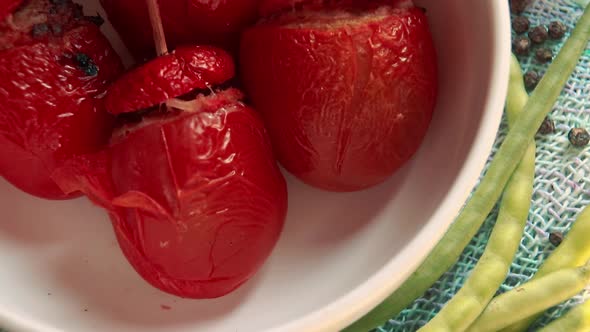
(62, 269)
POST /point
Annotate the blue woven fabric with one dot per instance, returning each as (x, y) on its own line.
(561, 190)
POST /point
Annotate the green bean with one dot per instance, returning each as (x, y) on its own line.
(576, 320)
(483, 199)
(531, 298)
(491, 270)
(517, 96)
(572, 252)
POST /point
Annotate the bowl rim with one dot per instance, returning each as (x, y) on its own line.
(359, 301)
(350, 307)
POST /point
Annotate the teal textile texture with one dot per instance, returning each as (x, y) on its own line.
(562, 184)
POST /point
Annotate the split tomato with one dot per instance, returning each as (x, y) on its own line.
(195, 196)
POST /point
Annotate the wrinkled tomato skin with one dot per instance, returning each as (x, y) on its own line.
(211, 22)
(50, 109)
(346, 102)
(199, 200)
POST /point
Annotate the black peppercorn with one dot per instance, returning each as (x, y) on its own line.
(82, 59)
(518, 6)
(520, 24)
(556, 238)
(544, 55)
(531, 79)
(521, 45)
(539, 35)
(556, 30)
(40, 30)
(86, 64)
(579, 137)
(547, 127)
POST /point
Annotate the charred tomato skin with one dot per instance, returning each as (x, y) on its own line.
(199, 200)
(51, 108)
(347, 99)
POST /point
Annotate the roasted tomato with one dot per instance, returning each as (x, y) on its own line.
(347, 89)
(216, 22)
(55, 65)
(195, 196)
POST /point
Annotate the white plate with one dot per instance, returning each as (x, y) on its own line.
(340, 254)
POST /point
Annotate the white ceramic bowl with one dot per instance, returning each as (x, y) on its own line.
(340, 254)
